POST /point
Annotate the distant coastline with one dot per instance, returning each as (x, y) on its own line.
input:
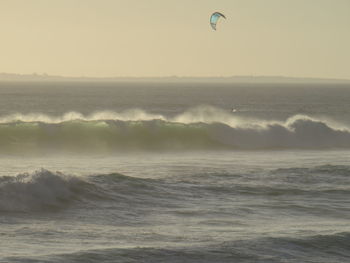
(233, 79)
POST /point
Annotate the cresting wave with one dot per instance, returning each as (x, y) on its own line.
(45, 190)
(41, 190)
(202, 128)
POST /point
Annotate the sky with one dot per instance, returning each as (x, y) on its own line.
(143, 38)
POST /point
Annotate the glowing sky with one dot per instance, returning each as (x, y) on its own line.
(301, 38)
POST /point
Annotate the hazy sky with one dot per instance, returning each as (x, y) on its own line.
(302, 38)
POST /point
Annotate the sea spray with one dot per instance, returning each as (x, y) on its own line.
(202, 128)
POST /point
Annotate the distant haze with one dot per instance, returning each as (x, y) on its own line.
(167, 79)
(144, 38)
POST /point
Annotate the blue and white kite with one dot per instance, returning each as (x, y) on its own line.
(215, 18)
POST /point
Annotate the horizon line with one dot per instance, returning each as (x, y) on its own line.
(45, 76)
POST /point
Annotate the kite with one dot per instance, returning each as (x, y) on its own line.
(215, 18)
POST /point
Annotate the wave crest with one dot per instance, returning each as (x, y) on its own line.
(40, 190)
(203, 128)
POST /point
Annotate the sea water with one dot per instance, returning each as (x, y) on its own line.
(174, 172)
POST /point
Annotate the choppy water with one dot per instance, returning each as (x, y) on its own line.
(107, 172)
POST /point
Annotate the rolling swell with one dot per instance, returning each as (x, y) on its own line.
(41, 190)
(203, 128)
(44, 190)
(313, 249)
(47, 191)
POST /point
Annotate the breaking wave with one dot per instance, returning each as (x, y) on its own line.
(40, 190)
(44, 190)
(203, 128)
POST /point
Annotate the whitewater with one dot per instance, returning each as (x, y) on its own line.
(167, 172)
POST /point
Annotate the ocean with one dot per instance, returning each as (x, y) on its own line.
(174, 172)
